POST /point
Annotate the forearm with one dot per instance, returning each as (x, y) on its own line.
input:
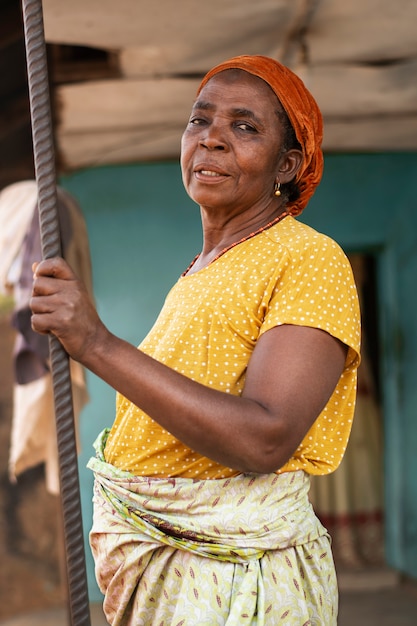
(289, 378)
(234, 431)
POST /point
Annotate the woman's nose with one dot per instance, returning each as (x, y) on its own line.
(214, 138)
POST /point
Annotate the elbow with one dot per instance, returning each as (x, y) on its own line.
(265, 459)
(263, 467)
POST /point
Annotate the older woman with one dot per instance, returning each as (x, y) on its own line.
(244, 386)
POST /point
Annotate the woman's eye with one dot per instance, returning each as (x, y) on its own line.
(196, 121)
(245, 126)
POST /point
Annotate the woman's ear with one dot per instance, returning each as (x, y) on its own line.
(289, 165)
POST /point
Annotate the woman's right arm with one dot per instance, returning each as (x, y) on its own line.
(290, 377)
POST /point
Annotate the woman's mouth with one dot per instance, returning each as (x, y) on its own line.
(209, 173)
(204, 174)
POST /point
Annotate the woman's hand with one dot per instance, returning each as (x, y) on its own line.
(61, 305)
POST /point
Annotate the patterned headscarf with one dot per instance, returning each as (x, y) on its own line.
(302, 110)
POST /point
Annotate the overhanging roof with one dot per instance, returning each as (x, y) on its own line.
(359, 59)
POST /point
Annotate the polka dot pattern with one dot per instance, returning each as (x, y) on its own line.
(207, 330)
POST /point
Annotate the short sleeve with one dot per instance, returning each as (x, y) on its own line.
(316, 288)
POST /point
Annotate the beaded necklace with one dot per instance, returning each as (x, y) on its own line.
(236, 243)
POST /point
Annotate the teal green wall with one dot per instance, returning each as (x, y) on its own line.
(369, 203)
(144, 231)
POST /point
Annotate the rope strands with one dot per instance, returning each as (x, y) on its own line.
(44, 158)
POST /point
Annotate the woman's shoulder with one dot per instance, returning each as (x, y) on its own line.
(303, 240)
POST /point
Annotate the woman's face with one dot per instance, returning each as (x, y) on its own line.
(231, 151)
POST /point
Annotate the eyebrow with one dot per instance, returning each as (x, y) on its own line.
(236, 112)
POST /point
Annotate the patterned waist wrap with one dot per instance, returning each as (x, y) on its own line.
(242, 550)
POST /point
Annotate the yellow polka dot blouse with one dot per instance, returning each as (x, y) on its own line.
(209, 325)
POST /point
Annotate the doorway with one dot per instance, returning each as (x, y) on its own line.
(350, 502)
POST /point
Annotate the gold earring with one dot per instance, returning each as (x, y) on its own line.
(277, 191)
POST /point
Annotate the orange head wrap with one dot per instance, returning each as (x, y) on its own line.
(302, 110)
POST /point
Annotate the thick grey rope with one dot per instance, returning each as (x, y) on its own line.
(43, 147)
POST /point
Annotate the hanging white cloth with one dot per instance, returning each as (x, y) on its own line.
(33, 434)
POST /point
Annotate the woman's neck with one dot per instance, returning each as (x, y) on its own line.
(218, 240)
